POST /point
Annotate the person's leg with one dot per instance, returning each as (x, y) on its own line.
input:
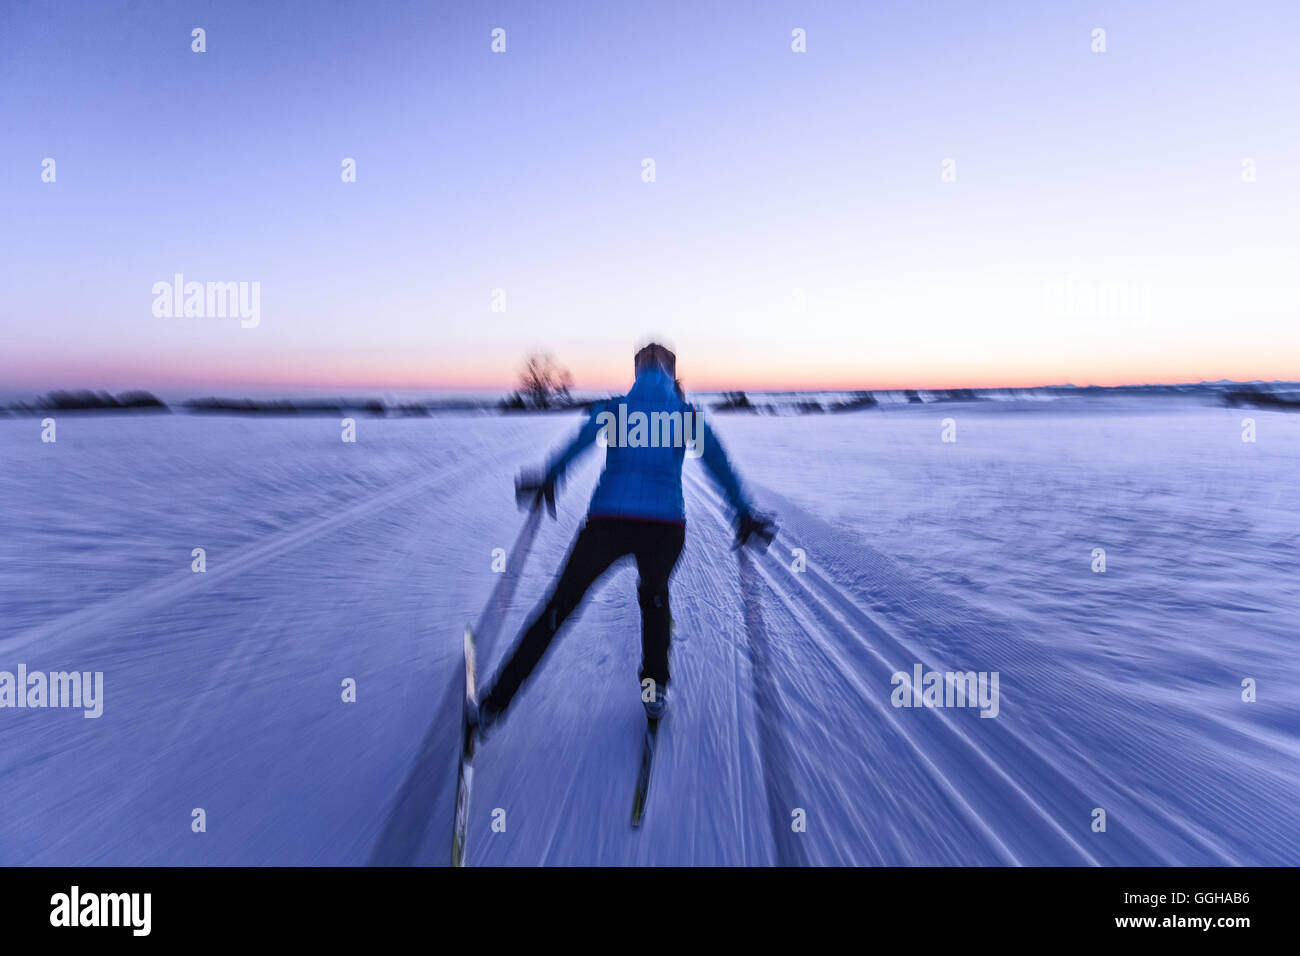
(596, 547)
(657, 548)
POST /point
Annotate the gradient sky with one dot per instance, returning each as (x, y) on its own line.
(776, 172)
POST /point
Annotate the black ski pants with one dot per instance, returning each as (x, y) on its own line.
(655, 545)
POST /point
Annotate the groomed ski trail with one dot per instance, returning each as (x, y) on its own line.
(223, 693)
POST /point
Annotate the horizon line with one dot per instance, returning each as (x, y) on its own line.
(215, 391)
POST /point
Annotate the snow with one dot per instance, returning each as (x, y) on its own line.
(326, 561)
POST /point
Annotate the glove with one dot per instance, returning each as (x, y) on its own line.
(751, 525)
(532, 490)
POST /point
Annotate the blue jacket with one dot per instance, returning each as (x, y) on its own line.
(646, 433)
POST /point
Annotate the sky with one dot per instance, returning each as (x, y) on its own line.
(933, 194)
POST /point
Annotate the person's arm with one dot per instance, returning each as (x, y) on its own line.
(719, 466)
(751, 527)
(538, 488)
(586, 435)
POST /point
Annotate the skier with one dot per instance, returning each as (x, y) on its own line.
(638, 510)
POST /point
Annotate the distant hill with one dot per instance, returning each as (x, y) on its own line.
(88, 401)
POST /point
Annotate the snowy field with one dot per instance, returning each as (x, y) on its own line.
(326, 561)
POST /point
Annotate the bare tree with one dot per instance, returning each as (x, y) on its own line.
(543, 382)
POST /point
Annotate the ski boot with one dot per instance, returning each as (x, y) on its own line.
(654, 709)
(480, 718)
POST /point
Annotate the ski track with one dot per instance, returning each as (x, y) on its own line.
(227, 698)
(813, 609)
(1027, 776)
(138, 600)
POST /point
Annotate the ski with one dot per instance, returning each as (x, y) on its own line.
(465, 775)
(643, 773)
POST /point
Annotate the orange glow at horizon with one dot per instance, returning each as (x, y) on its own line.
(483, 370)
